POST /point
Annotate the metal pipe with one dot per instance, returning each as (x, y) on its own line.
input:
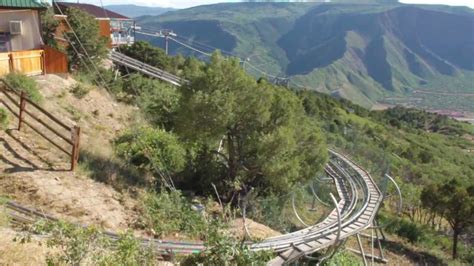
(400, 203)
(294, 210)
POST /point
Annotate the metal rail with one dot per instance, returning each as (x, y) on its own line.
(154, 72)
(359, 200)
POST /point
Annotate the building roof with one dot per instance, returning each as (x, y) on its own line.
(30, 4)
(93, 10)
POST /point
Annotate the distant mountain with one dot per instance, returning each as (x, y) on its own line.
(385, 52)
(136, 11)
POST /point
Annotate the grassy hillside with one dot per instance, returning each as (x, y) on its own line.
(363, 52)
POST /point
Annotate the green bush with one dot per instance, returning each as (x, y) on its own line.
(87, 30)
(20, 82)
(169, 212)
(153, 149)
(76, 245)
(343, 257)
(223, 249)
(80, 90)
(160, 106)
(406, 229)
(3, 119)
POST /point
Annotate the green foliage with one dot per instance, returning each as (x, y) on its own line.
(154, 149)
(148, 54)
(86, 28)
(223, 249)
(343, 257)
(3, 119)
(409, 230)
(160, 105)
(267, 140)
(239, 133)
(48, 27)
(169, 212)
(24, 83)
(76, 245)
(80, 90)
(159, 101)
(455, 202)
(410, 118)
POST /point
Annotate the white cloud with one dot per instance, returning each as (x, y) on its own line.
(469, 3)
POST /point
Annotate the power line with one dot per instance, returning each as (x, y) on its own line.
(81, 45)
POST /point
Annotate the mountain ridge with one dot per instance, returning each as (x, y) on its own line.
(137, 11)
(366, 53)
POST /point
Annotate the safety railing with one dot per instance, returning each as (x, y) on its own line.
(41, 121)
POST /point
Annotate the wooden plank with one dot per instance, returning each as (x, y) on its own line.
(48, 127)
(47, 138)
(55, 61)
(5, 66)
(28, 62)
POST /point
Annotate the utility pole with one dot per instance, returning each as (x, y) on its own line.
(167, 34)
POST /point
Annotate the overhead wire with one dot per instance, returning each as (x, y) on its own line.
(164, 175)
(184, 39)
(81, 45)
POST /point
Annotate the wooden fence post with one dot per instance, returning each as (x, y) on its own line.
(75, 137)
(22, 108)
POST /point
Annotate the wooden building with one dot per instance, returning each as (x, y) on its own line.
(118, 28)
(21, 44)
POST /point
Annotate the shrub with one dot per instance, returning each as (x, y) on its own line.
(343, 258)
(20, 82)
(223, 249)
(169, 212)
(80, 90)
(87, 30)
(406, 229)
(76, 245)
(160, 105)
(3, 119)
(154, 149)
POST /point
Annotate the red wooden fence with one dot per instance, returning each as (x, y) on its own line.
(53, 124)
(55, 61)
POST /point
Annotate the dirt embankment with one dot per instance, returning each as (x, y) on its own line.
(35, 173)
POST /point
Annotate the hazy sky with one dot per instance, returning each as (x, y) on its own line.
(190, 3)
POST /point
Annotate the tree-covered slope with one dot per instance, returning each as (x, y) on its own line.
(363, 52)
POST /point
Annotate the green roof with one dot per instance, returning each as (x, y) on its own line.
(21, 4)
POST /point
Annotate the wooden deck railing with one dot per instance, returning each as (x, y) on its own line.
(42, 117)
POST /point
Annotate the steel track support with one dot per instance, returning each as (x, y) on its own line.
(295, 212)
(316, 196)
(361, 249)
(379, 244)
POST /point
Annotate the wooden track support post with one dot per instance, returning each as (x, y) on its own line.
(22, 109)
(75, 137)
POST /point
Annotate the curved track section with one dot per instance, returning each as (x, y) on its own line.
(360, 217)
(359, 201)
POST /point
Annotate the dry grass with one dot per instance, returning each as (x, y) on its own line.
(15, 253)
(256, 230)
